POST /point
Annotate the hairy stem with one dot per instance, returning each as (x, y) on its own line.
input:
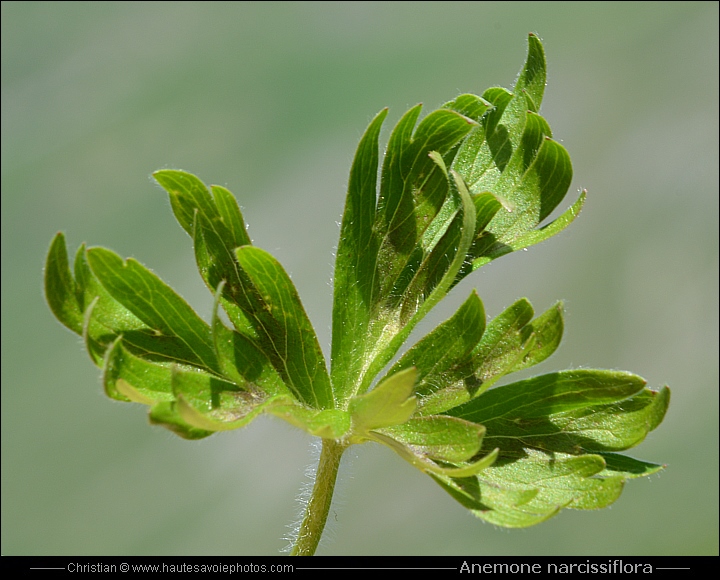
(318, 507)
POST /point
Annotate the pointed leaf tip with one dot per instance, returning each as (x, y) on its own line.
(60, 286)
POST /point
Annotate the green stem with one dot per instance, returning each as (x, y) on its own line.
(318, 507)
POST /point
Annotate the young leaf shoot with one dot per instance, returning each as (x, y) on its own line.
(468, 183)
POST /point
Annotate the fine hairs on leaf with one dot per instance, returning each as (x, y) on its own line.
(466, 184)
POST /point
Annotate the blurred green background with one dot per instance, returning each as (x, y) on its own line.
(270, 99)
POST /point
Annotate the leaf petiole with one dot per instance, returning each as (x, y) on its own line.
(318, 507)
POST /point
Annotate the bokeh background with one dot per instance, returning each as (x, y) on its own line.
(270, 99)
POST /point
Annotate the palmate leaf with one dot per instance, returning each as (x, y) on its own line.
(257, 293)
(470, 182)
(556, 437)
(400, 248)
(197, 378)
(512, 155)
(400, 239)
(85, 306)
(473, 356)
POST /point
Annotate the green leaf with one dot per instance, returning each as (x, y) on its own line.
(486, 207)
(212, 404)
(531, 237)
(565, 482)
(217, 229)
(470, 467)
(442, 357)
(188, 196)
(514, 341)
(594, 428)
(529, 197)
(218, 266)
(532, 489)
(166, 415)
(241, 361)
(470, 106)
(438, 445)
(94, 333)
(533, 76)
(472, 181)
(130, 378)
(103, 318)
(511, 341)
(409, 196)
(542, 396)
(198, 402)
(446, 259)
(284, 331)
(257, 293)
(473, 494)
(545, 334)
(390, 403)
(439, 438)
(355, 264)
(396, 254)
(60, 289)
(546, 430)
(496, 151)
(230, 215)
(627, 467)
(511, 156)
(155, 303)
(475, 157)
